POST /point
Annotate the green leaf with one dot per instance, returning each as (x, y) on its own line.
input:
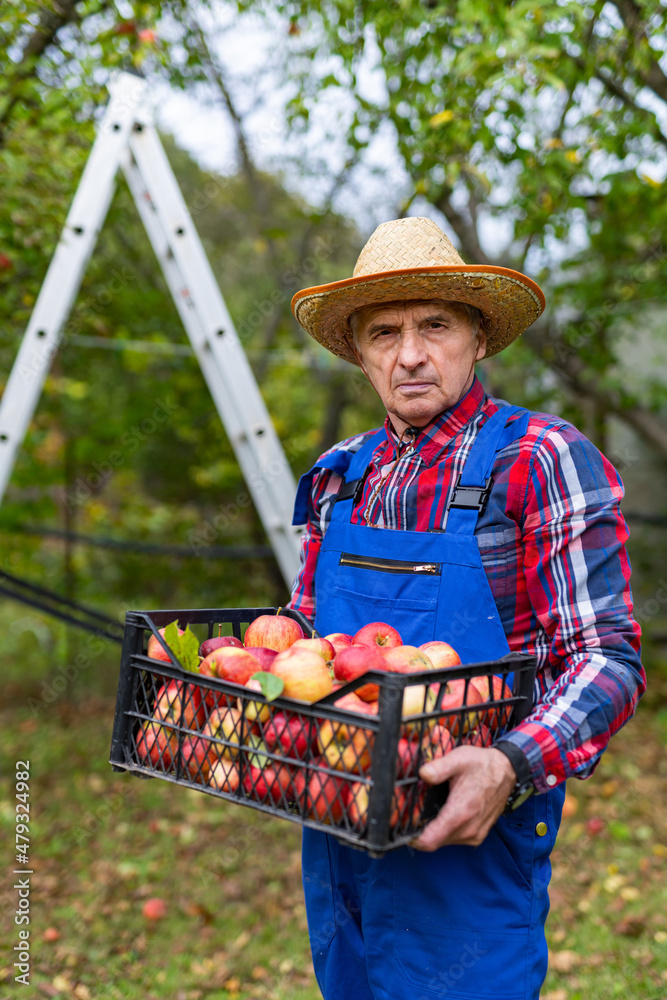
(171, 636)
(185, 647)
(188, 652)
(272, 686)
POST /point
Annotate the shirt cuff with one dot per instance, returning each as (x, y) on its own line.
(517, 759)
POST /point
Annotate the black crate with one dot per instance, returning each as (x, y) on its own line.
(350, 774)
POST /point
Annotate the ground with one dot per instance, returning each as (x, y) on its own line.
(101, 844)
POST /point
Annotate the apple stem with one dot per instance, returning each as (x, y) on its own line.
(313, 635)
(278, 611)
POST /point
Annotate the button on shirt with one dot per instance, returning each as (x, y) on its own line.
(552, 542)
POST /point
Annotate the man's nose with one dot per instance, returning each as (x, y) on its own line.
(412, 351)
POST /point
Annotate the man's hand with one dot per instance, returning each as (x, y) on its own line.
(480, 781)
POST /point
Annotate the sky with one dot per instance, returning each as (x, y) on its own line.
(249, 52)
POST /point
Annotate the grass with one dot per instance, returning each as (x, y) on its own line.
(235, 929)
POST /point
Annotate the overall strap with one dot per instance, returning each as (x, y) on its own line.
(473, 487)
(350, 465)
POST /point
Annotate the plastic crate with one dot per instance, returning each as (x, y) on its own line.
(350, 774)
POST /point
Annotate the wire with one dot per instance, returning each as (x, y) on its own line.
(43, 600)
(180, 551)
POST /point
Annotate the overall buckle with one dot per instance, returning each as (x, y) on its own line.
(470, 497)
(353, 489)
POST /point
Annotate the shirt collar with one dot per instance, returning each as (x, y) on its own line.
(431, 440)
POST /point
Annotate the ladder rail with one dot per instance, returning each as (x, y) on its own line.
(221, 356)
(127, 139)
(65, 272)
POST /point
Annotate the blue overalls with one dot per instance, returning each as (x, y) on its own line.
(462, 922)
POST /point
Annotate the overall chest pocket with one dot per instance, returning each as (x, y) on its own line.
(402, 592)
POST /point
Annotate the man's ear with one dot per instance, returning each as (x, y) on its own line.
(481, 345)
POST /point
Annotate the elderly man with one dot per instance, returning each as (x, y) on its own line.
(530, 558)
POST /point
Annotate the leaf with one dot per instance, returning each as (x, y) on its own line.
(441, 118)
(188, 652)
(185, 647)
(171, 636)
(272, 686)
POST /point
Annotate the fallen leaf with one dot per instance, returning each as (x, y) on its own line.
(241, 941)
(630, 927)
(570, 806)
(564, 961)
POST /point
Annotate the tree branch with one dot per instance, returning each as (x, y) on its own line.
(617, 91)
(580, 380)
(467, 233)
(632, 16)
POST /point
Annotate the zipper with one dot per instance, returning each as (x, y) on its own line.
(388, 565)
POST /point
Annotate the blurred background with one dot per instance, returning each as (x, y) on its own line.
(536, 136)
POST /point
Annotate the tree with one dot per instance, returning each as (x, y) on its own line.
(538, 122)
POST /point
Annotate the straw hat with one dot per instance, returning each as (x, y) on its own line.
(413, 259)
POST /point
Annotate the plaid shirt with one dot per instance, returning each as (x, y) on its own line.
(552, 541)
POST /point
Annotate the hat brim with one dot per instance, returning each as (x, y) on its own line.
(509, 301)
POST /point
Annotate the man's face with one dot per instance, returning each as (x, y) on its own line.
(418, 356)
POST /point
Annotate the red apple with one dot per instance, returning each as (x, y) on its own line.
(358, 801)
(378, 634)
(195, 758)
(154, 909)
(264, 656)
(345, 747)
(231, 664)
(480, 736)
(353, 703)
(406, 660)
(225, 724)
(339, 640)
(407, 757)
(153, 745)
(225, 776)
(304, 673)
(290, 736)
(355, 660)
(321, 796)
(408, 807)
(213, 699)
(270, 782)
(495, 691)
(208, 645)
(180, 705)
(437, 742)
(454, 696)
(273, 631)
(155, 650)
(321, 646)
(441, 654)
